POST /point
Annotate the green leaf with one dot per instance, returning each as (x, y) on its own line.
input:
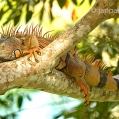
(93, 47)
(29, 98)
(74, 1)
(9, 96)
(51, 3)
(51, 16)
(19, 101)
(1, 13)
(61, 3)
(28, 14)
(41, 13)
(111, 105)
(90, 1)
(115, 19)
(16, 19)
(36, 1)
(110, 51)
(6, 21)
(81, 2)
(9, 4)
(4, 103)
(43, 1)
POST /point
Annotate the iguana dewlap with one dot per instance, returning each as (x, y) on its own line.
(30, 46)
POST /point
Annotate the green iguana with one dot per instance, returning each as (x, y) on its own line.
(15, 44)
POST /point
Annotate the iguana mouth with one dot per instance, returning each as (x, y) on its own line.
(7, 57)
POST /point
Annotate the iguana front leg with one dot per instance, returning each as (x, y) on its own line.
(30, 45)
(32, 51)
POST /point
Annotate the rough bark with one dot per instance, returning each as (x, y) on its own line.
(23, 73)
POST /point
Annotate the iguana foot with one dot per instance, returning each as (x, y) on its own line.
(33, 51)
(84, 87)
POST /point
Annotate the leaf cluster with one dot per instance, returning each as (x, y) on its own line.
(97, 110)
(105, 40)
(14, 9)
(11, 103)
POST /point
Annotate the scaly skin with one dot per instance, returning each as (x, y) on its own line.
(85, 71)
(14, 44)
(7, 46)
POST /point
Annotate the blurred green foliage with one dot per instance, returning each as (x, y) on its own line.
(106, 40)
(96, 110)
(15, 9)
(11, 102)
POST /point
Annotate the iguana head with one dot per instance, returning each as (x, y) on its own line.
(7, 46)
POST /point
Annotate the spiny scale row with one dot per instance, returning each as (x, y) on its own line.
(29, 30)
(90, 59)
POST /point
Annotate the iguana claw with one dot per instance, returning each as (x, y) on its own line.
(33, 51)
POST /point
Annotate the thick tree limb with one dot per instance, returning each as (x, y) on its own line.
(22, 73)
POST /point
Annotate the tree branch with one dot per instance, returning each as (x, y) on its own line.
(24, 73)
